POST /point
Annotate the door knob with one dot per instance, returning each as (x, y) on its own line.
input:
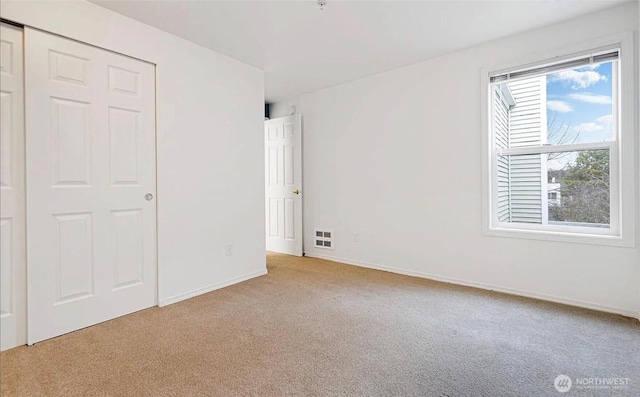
(148, 196)
(297, 191)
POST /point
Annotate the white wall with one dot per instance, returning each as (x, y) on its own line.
(396, 158)
(209, 143)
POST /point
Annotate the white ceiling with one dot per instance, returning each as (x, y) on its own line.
(302, 48)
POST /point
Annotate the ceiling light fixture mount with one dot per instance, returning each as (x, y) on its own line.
(321, 4)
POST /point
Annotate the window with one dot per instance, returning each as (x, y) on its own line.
(556, 163)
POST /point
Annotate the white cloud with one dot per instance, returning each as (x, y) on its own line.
(559, 106)
(578, 78)
(588, 127)
(601, 128)
(608, 119)
(591, 98)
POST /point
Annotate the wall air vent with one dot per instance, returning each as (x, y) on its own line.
(323, 239)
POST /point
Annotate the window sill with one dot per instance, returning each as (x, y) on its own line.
(546, 235)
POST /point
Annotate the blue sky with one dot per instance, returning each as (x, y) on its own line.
(579, 100)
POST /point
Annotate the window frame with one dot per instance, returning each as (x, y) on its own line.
(622, 151)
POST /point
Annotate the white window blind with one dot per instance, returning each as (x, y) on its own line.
(585, 60)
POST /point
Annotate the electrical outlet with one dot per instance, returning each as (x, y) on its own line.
(229, 249)
(356, 237)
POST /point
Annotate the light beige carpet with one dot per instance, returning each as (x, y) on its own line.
(318, 328)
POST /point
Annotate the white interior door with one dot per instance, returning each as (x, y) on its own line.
(90, 144)
(283, 178)
(13, 309)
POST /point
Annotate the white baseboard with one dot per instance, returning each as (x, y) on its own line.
(506, 290)
(209, 288)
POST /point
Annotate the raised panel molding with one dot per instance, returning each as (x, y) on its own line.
(288, 165)
(288, 130)
(123, 146)
(273, 133)
(74, 268)
(6, 57)
(124, 81)
(273, 166)
(6, 268)
(67, 68)
(6, 132)
(289, 219)
(273, 217)
(127, 233)
(71, 142)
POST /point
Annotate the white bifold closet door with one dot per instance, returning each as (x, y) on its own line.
(13, 311)
(91, 214)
